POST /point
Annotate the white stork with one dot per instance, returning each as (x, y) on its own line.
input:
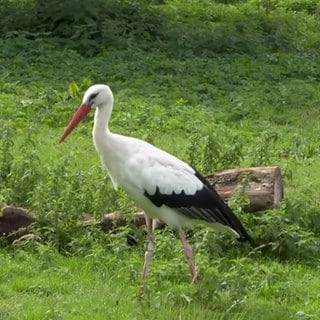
(165, 187)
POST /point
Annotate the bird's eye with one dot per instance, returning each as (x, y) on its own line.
(92, 96)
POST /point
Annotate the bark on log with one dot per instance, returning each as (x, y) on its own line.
(264, 189)
(14, 222)
(264, 185)
(113, 220)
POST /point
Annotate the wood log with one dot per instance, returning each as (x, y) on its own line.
(115, 220)
(262, 185)
(14, 222)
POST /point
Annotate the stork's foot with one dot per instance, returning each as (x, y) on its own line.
(141, 292)
(195, 280)
(188, 253)
(147, 257)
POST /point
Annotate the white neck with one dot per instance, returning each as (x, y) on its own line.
(101, 120)
(101, 133)
(105, 141)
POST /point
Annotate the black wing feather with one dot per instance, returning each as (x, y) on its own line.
(204, 205)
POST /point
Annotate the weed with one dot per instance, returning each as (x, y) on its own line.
(219, 149)
(6, 152)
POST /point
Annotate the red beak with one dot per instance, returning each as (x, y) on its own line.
(80, 114)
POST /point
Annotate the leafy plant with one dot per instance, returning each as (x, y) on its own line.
(218, 150)
(6, 152)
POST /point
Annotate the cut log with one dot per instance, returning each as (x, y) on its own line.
(14, 222)
(115, 220)
(262, 185)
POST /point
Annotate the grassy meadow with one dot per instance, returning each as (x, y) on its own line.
(220, 84)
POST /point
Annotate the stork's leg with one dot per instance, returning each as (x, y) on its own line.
(148, 253)
(188, 254)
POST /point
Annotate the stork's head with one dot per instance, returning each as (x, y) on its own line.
(96, 96)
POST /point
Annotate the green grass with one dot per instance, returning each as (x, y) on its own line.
(46, 285)
(220, 84)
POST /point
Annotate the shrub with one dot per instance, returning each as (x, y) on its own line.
(180, 30)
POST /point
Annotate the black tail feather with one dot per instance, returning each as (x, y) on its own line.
(232, 220)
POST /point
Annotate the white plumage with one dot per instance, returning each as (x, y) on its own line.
(165, 187)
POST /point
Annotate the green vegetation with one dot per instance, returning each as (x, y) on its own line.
(219, 84)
